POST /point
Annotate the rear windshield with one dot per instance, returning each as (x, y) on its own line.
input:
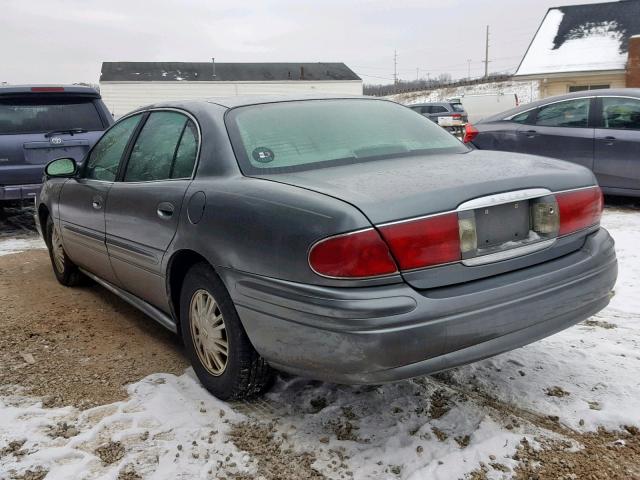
(457, 107)
(40, 115)
(303, 135)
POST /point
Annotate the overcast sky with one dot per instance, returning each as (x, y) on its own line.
(64, 41)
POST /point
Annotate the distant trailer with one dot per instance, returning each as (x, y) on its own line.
(485, 105)
(125, 86)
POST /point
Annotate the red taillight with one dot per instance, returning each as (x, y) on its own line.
(579, 209)
(424, 242)
(354, 255)
(456, 115)
(47, 89)
(470, 132)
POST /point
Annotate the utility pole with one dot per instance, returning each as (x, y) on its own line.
(486, 55)
(395, 67)
(417, 73)
(469, 68)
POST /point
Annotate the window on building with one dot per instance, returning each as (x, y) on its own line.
(582, 88)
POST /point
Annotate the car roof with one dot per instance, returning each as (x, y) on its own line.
(246, 100)
(40, 89)
(426, 104)
(602, 92)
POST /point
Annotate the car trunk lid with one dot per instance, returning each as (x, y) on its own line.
(494, 192)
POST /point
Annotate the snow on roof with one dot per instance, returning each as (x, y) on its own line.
(582, 38)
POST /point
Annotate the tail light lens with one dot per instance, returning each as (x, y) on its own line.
(353, 255)
(470, 133)
(456, 115)
(424, 242)
(579, 209)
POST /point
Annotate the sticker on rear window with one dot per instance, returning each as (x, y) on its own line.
(263, 154)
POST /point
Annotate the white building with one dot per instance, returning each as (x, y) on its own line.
(128, 85)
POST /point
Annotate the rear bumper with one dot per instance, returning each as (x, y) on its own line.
(19, 192)
(380, 334)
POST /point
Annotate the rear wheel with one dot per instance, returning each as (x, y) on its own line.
(220, 351)
(64, 269)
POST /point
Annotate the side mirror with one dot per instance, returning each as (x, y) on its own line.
(61, 167)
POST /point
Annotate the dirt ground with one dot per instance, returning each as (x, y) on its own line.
(83, 343)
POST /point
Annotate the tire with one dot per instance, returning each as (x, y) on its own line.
(65, 270)
(239, 374)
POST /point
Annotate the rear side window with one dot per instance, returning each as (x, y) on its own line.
(570, 113)
(621, 113)
(438, 109)
(41, 115)
(186, 154)
(159, 142)
(104, 159)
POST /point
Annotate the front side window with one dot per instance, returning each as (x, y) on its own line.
(36, 114)
(570, 113)
(105, 157)
(311, 134)
(621, 113)
(155, 148)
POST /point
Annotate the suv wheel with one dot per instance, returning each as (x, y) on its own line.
(64, 269)
(217, 345)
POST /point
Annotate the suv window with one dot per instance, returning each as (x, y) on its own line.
(569, 113)
(457, 107)
(41, 115)
(438, 109)
(153, 153)
(104, 159)
(621, 113)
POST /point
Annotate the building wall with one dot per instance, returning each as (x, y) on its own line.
(560, 86)
(122, 97)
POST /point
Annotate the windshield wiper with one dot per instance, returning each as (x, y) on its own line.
(70, 131)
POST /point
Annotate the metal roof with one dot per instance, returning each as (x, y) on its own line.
(37, 89)
(222, 72)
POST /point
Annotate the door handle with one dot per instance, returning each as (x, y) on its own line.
(165, 210)
(530, 133)
(96, 203)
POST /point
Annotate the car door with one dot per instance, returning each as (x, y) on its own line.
(81, 205)
(144, 205)
(617, 144)
(560, 130)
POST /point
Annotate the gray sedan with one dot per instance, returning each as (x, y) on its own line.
(599, 129)
(345, 239)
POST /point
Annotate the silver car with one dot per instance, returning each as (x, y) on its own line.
(344, 239)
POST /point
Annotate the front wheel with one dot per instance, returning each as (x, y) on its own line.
(65, 270)
(217, 345)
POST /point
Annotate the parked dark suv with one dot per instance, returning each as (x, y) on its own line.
(434, 110)
(39, 124)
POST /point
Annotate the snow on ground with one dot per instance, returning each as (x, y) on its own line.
(427, 428)
(527, 91)
(16, 245)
